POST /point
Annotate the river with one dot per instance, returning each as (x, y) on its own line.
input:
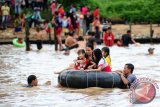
(16, 65)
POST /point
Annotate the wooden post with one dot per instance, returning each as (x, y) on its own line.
(151, 33)
(55, 41)
(27, 35)
(130, 26)
(50, 40)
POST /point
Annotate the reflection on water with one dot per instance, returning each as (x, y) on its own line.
(16, 64)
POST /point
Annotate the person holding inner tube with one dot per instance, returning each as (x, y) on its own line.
(100, 63)
(127, 75)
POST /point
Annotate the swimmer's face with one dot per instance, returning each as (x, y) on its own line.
(89, 51)
(150, 51)
(126, 70)
(34, 82)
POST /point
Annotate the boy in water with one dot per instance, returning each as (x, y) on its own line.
(32, 80)
(151, 51)
(38, 36)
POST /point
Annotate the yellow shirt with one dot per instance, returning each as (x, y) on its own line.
(108, 60)
(5, 10)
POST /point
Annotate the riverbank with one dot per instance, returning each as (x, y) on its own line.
(140, 32)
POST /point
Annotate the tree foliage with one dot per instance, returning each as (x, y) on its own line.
(123, 10)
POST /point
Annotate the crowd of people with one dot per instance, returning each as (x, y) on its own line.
(79, 21)
(71, 23)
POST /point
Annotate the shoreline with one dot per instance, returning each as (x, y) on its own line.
(139, 40)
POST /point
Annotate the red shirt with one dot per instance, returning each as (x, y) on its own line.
(61, 11)
(96, 13)
(108, 39)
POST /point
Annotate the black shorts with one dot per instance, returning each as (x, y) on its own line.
(39, 44)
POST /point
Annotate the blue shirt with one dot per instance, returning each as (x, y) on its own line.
(131, 78)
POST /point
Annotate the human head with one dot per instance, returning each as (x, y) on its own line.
(105, 51)
(128, 68)
(32, 80)
(89, 50)
(97, 55)
(80, 38)
(151, 51)
(129, 32)
(109, 29)
(5, 4)
(81, 53)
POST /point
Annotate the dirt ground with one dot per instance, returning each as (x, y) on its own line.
(138, 31)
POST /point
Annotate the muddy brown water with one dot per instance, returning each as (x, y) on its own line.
(16, 64)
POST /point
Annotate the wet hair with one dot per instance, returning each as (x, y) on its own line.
(130, 66)
(80, 38)
(98, 55)
(31, 78)
(81, 51)
(128, 31)
(90, 46)
(106, 50)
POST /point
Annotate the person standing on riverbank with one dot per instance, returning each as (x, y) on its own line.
(5, 13)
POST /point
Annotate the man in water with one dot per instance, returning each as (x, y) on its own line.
(150, 51)
(126, 39)
(127, 75)
(32, 81)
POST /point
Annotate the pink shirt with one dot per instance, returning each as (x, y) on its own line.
(53, 7)
(84, 10)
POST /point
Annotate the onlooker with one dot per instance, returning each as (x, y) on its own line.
(58, 29)
(96, 13)
(72, 9)
(5, 13)
(53, 7)
(108, 38)
(89, 19)
(18, 6)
